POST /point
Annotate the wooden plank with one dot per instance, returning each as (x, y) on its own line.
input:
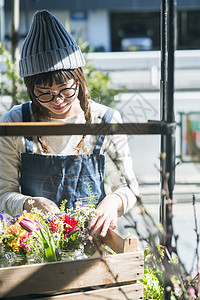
(132, 291)
(53, 128)
(116, 241)
(61, 276)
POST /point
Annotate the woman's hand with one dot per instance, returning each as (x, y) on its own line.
(106, 214)
(44, 204)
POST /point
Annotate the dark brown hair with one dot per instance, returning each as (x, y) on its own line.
(40, 113)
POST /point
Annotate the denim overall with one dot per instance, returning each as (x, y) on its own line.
(63, 177)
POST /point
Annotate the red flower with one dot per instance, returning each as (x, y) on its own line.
(54, 226)
(69, 221)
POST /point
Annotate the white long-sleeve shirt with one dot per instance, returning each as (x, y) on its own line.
(118, 165)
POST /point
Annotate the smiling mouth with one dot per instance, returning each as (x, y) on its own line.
(60, 107)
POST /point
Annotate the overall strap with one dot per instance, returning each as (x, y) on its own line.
(100, 138)
(26, 117)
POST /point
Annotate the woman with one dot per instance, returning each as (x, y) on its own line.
(53, 168)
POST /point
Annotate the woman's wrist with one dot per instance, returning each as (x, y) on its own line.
(121, 203)
(26, 205)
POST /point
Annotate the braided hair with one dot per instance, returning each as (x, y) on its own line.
(40, 113)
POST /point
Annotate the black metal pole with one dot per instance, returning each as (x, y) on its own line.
(170, 138)
(163, 99)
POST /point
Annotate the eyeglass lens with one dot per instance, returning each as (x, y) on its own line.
(66, 93)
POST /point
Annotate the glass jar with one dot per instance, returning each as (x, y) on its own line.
(18, 259)
(72, 255)
(34, 258)
(5, 260)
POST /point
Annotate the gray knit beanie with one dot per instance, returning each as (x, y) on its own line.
(48, 47)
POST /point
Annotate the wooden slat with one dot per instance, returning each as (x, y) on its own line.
(47, 128)
(132, 291)
(116, 241)
(61, 276)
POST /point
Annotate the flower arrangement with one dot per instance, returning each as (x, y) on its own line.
(37, 237)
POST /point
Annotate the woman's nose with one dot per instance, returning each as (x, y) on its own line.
(58, 98)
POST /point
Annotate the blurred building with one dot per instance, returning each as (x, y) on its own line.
(115, 25)
(2, 20)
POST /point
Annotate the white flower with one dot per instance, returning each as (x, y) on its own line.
(90, 238)
(99, 213)
(36, 211)
(56, 236)
(44, 216)
(82, 219)
(83, 208)
(31, 201)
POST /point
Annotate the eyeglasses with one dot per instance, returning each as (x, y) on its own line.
(64, 94)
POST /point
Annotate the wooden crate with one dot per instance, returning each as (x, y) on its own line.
(92, 278)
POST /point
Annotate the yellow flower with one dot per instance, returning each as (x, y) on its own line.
(30, 216)
(26, 215)
(15, 244)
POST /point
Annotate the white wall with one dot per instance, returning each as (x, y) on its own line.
(99, 29)
(78, 25)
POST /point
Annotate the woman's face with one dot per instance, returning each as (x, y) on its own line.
(59, 99)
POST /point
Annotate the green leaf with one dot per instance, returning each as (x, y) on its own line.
(49, 246)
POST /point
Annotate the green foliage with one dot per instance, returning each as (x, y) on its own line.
(98, 84)
(154, 272)
(153, 288)
(62, 205)
(91, 200)
(14, 85)
(153, 275)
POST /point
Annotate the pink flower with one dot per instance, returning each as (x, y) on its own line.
(174, 201)
(28, 225)
(191, 291)
(162, 267)
(23, 241)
